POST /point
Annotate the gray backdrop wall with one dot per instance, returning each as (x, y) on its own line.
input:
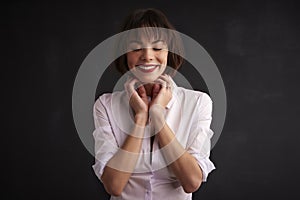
(255, 45)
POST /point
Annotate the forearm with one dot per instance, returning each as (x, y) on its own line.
(119, 168)
(183, 164)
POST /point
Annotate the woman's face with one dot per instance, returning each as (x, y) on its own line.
(147, 59)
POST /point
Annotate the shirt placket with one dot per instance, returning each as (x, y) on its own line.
(149, 150)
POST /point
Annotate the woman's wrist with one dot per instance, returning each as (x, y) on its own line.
(141, 119)
(157, 115)
(157, 111)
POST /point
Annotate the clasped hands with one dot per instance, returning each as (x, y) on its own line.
(161, 94)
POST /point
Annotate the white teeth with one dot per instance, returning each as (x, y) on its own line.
(147, 67)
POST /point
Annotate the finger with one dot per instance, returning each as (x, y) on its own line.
(161, 82)
(142, 91)
(129, 86)
(155, 90)
(132, 83)
(167, 79)
(138, 84)
(164, 84)
(128, 80)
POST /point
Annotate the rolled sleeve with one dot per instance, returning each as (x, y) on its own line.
(105, 142)
(200, 144)
(200, 150)
(204, 162)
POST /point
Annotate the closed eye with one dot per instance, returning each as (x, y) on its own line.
(136, 50)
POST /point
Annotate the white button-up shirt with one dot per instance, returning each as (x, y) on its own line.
(188, 114)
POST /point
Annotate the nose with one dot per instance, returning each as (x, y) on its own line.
(147, 54)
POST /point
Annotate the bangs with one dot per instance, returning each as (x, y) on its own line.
(148, 24)
(148, 34)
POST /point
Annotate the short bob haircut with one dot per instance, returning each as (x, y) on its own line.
(147, 18)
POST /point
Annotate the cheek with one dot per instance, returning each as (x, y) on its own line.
(163, 57)
(130, 60)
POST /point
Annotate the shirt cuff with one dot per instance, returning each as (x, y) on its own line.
(99, 166)
(206, 166)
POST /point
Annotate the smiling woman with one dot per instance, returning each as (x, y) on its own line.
(165, 154)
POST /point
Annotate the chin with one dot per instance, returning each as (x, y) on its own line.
(147, 79)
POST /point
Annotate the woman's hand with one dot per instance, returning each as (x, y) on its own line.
(138, 99)
(162, 91)
(161, 96)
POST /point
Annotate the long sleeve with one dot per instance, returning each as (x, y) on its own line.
(199, 141)
(105, 142)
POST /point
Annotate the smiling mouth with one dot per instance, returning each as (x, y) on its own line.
(147, 68)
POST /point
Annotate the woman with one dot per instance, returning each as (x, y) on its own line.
(164, 154)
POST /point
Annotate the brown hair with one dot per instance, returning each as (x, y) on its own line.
(152, 17)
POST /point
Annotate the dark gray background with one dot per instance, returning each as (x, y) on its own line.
(255, 45)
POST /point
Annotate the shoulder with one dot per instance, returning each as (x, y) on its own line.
(106, 99)
(193, 96)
